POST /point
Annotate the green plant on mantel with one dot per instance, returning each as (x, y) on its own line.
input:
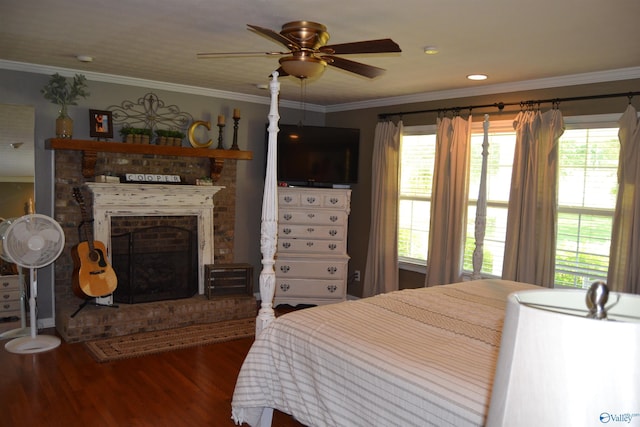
(59, 91)
(128, 130)
(170, 133)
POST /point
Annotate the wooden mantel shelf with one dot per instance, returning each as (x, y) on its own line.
(90, 149)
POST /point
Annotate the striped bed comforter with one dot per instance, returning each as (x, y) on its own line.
(417, 357)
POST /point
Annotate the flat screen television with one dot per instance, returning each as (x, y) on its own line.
(317, 156)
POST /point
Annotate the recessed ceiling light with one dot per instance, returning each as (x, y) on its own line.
(431, 50)
(84, 58)
(477, 77)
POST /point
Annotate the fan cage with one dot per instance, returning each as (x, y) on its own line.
(33, 241)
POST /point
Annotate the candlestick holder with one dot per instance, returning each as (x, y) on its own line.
(234, 146)
(220, 128)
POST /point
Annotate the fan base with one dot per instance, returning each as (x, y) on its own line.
(15, 333)
(28, 345)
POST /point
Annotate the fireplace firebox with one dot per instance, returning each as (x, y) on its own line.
(155, 258)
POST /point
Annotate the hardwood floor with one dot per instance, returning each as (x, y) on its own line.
(66, 387)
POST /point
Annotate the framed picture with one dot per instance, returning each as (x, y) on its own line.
(100, 124)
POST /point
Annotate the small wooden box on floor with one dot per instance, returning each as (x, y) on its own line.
(228, 279)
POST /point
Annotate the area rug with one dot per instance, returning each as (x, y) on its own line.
(144, 343)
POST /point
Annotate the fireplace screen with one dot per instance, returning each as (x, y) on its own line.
(155, 258)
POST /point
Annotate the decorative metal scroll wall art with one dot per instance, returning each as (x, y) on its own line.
(150, 112)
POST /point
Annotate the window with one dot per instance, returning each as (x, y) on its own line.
(587, 189)
(417, 154)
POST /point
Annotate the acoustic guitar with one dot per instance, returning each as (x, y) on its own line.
(92, 275)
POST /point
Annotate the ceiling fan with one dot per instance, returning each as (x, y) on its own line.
(308, 53)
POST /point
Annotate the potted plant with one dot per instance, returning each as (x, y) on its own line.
(135, 135)
(59, 91)
(169, 137)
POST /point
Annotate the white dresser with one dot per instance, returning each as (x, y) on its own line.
(311, 261)
(9, 296)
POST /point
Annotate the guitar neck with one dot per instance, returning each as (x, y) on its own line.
(86, 222)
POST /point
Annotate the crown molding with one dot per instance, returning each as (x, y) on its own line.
(152, 84)
(545, 83)
(551, 82)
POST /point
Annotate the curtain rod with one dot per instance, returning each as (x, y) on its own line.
(500, 105)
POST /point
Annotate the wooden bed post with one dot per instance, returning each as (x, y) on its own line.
(269, 225)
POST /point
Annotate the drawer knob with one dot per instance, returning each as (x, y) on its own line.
(333, 218)
(310, 230)
(332, 233)
(332, 246)
(286, 245)
(334, 200)
(288, 217)
(286, 230)
(332, 288)
(311, 199)
(5, 296)
(311, 215)
(6, 306)
(285, 268)
(284, 287)
(332, 270)
(288, 199)
(309, 244)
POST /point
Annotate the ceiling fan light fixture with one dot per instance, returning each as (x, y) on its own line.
(303, 67)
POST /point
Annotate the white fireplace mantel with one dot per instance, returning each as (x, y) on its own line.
(117, 200)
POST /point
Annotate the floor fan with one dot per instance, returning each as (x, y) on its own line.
(33, 241)
(22, 331)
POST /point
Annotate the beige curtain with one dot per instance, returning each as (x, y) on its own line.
(529, 254)
(447, 228)
(381, 272)
(624, 259)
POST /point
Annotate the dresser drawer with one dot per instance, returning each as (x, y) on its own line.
(313, 269)
(305, 288)
(288, 198)
(310, 231)
(310, 246)
(324, 200)
(9, 283)
(313, 198)
(6, 295)
(9, 306)
(320, 217)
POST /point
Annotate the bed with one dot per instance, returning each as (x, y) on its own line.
(416, 357)
(413, 357)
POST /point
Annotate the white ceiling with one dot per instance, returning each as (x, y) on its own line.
(511, 41)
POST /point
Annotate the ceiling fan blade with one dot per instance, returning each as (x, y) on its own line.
(209, 55)
(369, 46)
(288, 43)
(352, 66)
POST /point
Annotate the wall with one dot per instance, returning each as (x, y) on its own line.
(366, 120)
(23, 88)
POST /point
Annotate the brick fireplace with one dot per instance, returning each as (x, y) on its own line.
(213, 206)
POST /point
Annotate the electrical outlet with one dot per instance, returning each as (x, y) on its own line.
(356, 275)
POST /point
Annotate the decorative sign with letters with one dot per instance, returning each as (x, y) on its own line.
(152, 178)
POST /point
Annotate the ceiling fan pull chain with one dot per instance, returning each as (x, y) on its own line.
(303, 93)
